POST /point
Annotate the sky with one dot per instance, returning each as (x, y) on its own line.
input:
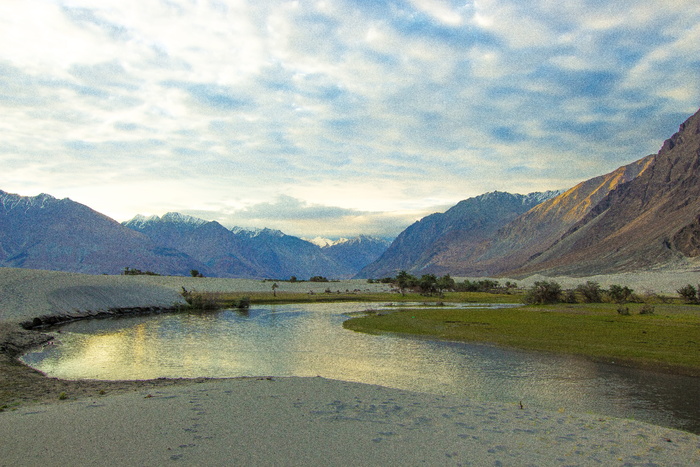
(333, 118)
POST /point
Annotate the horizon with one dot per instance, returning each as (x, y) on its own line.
(333, 119)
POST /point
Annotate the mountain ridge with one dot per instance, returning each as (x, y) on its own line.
(649, 222)
(642, 216)
(468, 223)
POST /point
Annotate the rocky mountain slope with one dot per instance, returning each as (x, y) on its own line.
(649, 222)
(641, 216)
(422, 247)
(43, 232)
(527, 236)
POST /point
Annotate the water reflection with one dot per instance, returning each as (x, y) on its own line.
(308, 340)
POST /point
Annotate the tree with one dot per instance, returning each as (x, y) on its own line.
(688, 293)
(404, 281)
(445, 283)
(543, 292)
(428, 284)
(590, 291)
(195, 273)
(620, 294)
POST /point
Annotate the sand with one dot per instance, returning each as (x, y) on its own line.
(272, 421)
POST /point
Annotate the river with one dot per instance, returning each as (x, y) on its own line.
(309, 340)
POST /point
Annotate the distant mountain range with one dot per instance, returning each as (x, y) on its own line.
(43, 232)
(261, 253)
(642, 216)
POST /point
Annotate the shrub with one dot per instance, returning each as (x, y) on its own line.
(620, 294)
(137, 272)
(427, 284)
(200, 300)
(569, 296)
(623, 310)
(543, 292)
(688, 293)
(590, 292)
(647, 309)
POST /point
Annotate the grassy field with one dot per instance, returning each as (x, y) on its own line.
(667, 340)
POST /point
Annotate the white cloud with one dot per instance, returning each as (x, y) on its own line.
(370, 107)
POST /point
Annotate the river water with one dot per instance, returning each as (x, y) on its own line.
(309, 340)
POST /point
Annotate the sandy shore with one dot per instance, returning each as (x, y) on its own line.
(272, 421)
(313, 421)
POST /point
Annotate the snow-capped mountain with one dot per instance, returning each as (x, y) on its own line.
(238, 252)
(42, 232)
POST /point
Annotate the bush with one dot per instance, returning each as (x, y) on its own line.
(647, 310)
(688, 293)
(543, 292)
(590, 292)
(569, 296)
(620, 294)
(200, 300)
(623, 310)
(427, 284)
(137, 272)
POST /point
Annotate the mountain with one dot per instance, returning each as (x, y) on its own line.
(356, 253)
(324, 242)
(43, 232)
(420, 247)
(263, 253)
(651, 221)
(535, 231)
(642, 216)
(210, 243)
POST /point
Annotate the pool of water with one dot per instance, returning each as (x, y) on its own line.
(309, 340)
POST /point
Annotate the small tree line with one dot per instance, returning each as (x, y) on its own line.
(430, 284)
(547, 292)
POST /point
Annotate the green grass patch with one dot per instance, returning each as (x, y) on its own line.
(226, 300)
(669, 339)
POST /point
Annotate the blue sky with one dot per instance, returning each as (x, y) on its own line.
(333, 118)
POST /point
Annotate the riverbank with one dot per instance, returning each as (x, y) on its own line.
(270, 421)
(666, 340)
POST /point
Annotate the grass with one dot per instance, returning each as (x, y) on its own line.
(226, 300)
(667, 340)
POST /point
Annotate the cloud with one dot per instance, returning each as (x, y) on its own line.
(287, 208)
(372, 107)
(297, 217)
